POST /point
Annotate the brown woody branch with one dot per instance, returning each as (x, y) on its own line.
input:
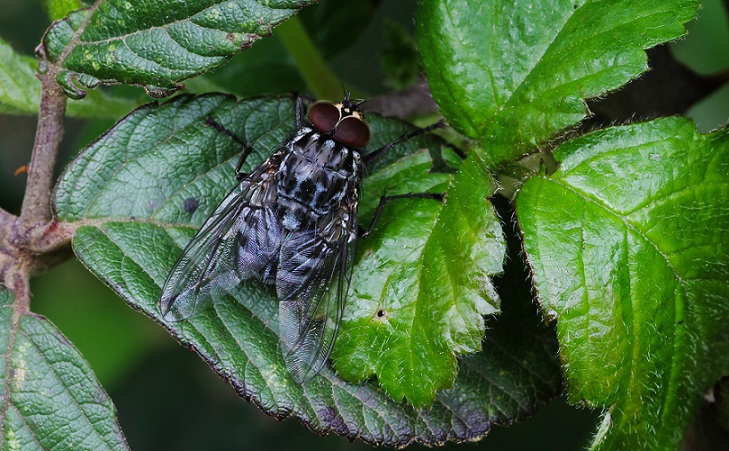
(36, 210)
(35, 240)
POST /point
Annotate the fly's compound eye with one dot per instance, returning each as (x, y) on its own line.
(324, 116)
(352, 131)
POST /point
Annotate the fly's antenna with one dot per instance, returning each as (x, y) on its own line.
(352, 105)
(358, 103)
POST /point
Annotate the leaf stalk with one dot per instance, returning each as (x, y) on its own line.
(318, 75)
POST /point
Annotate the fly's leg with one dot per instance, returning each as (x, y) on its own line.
(385, 199)
(377, 153)
(240, 175)
(300, 111)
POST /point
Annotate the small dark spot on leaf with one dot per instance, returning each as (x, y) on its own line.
(381, 315)
(191, 204)
(230, 37)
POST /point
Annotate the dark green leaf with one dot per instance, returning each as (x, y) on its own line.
(157, 44)
(335, 25)
(127, 194)
(512, 74)
(20, 90)
(400, 59)
(630, 251)
(721, 395)
(259, 69)
(51, 399)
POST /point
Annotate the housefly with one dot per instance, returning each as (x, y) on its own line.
(291, 223)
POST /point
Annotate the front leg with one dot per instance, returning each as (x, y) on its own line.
(377, 153)
(239, 175)
(385, 199)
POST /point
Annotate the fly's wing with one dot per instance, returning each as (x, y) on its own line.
(312, 282)
(238, 241)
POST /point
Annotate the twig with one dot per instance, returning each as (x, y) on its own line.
(34, 240)
(5, 217)
(414, 101)
(36, 208)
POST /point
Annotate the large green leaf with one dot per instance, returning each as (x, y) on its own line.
(51, 399)
(157, 44)
(422, 283)
(629, 244)
(139, 194)
(512, 74)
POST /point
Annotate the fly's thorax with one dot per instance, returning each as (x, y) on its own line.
(316, 177)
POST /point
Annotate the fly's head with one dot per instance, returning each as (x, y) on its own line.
(342, 121)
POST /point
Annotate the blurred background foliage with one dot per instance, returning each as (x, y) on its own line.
(166, 397)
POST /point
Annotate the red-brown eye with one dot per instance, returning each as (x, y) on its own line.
(324, 116)
(352, 131)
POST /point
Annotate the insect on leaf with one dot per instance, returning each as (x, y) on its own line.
(132, 193)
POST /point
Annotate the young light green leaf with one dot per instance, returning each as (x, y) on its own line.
(51, 399)
(58, 9)
(19, 89)
(157, 44)
(139, 194)
(422, 287)
(629, 246)
(512, 74)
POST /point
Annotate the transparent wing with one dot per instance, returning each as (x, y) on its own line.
(312, 283)
(239, 240)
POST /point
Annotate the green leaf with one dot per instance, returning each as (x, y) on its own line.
(513, 74)
(706, 47)
(57, 9)
(127, 194)
(400, 59)
(630, 251)
(335, 26)
(51, 399)
(157, 44)
(259, 69)
(421, 286)
(20, 90)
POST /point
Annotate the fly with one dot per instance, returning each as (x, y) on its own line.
(291, 223)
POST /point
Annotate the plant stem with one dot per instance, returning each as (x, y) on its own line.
(36, 209)
(319, 77)
(34, 240)
(5, 217)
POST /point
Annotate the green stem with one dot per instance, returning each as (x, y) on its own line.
(319, 77)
